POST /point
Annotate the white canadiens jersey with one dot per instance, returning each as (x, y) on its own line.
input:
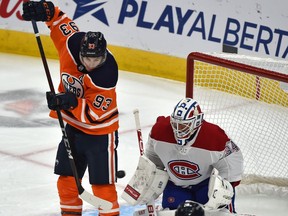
(191, 164)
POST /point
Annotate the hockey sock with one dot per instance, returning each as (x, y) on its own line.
(107, 192)
(70, 203)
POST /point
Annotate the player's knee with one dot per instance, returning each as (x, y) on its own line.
(67, 186)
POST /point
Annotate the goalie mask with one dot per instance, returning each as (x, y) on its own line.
(93, 50)
(186, 119)
(189, 208)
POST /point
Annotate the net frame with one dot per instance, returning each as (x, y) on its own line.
(259, 71)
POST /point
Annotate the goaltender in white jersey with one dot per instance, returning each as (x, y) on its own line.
(203, 164)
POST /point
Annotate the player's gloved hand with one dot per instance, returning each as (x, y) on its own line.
(64, 101)
(38, 11)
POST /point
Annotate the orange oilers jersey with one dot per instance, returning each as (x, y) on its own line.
(97, 111)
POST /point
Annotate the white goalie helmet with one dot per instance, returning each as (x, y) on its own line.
(185, 119)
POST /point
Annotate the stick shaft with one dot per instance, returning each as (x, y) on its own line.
(43, 57)
(151, 204)
(138, 130)
(61, 122)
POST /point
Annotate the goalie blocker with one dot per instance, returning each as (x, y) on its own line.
(147, 183)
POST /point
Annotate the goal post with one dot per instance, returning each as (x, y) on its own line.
(248, 97)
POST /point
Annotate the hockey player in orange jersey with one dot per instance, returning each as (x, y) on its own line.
(88, 103)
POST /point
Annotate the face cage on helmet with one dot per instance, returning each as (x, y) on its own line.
(182, 128)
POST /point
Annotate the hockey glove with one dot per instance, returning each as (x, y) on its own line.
(38, 11)
(62, 101)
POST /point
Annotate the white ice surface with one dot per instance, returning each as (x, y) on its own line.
(29, 138)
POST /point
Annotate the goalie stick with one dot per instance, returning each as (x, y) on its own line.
(86, 196)
(151, 204)
(138, 130)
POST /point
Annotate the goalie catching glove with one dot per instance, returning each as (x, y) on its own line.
(62, 101)
(147, 183)
(38, 11)
(220, 192)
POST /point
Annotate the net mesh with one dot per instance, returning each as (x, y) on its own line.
(253, 110)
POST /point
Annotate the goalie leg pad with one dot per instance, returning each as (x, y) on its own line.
(147, 183)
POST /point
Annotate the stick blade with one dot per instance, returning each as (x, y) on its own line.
(96, 201)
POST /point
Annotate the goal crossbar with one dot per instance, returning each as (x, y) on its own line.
(192, 57)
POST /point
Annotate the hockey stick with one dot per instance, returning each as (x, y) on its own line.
(151, 204)
(93, 200)
(138, 130)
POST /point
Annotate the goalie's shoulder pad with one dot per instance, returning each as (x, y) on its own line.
(147, 183)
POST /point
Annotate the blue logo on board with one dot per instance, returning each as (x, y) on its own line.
(85, 6)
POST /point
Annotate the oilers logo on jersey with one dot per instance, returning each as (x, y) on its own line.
(73, 84)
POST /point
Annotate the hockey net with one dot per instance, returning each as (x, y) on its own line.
(248, 98)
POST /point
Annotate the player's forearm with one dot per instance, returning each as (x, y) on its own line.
(58, 15)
